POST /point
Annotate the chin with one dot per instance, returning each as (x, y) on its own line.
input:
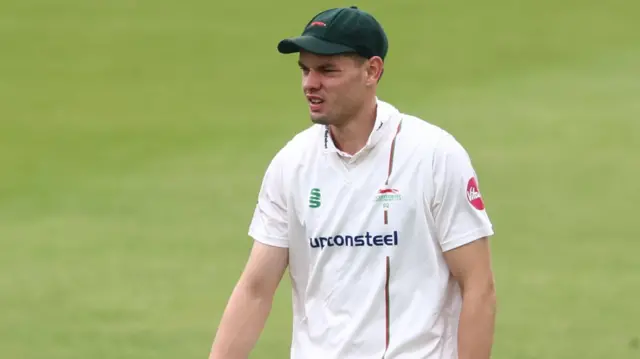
(320, 120)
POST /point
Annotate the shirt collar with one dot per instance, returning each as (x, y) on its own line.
(385, 116)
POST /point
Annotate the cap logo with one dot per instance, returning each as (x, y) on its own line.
(318, 23)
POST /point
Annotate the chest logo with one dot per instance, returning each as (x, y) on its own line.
(384, 196)
(314, 198)
(388, 195)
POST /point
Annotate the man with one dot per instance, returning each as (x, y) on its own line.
(376, 213)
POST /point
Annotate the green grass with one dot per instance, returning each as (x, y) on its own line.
(134, 135)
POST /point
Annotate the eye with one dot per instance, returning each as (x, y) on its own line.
(329, 69)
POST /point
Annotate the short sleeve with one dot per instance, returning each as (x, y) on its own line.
(269, 224)
(458, 208)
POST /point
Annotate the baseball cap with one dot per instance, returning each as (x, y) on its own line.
(339, 31)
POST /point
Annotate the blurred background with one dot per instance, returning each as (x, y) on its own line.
(134, 135)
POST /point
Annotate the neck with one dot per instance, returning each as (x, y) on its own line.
(352, 136)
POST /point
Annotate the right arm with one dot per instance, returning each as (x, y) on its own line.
(250, 303)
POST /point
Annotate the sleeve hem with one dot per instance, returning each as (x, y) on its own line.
(467, 238)
(269, 240)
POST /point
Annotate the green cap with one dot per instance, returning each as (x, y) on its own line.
(338, 31)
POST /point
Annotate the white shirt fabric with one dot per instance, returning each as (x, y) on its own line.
(368, 284)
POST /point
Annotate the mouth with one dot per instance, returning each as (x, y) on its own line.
(315, 102)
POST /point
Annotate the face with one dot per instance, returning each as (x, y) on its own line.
(336, 87)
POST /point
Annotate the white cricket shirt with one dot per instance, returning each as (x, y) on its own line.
(366, 234)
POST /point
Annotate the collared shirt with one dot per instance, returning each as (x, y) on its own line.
(366, 241)
(384, 114)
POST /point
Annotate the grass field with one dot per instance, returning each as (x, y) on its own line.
(134, 135)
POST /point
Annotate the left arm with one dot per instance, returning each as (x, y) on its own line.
(464, 227)
(470, 265)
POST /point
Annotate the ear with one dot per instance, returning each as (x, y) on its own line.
(375, 67)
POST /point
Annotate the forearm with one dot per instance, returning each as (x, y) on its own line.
(476, 327)
(241, 324)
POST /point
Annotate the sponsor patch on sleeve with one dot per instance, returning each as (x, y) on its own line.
(473, 194)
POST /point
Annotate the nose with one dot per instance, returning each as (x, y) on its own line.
(311, 81)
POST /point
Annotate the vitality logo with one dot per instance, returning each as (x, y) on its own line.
(473, 194)
(314, 198)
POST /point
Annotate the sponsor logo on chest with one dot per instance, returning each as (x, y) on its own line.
(366, 239)
(314, 198)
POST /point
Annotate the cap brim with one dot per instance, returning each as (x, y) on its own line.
(313, 45)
